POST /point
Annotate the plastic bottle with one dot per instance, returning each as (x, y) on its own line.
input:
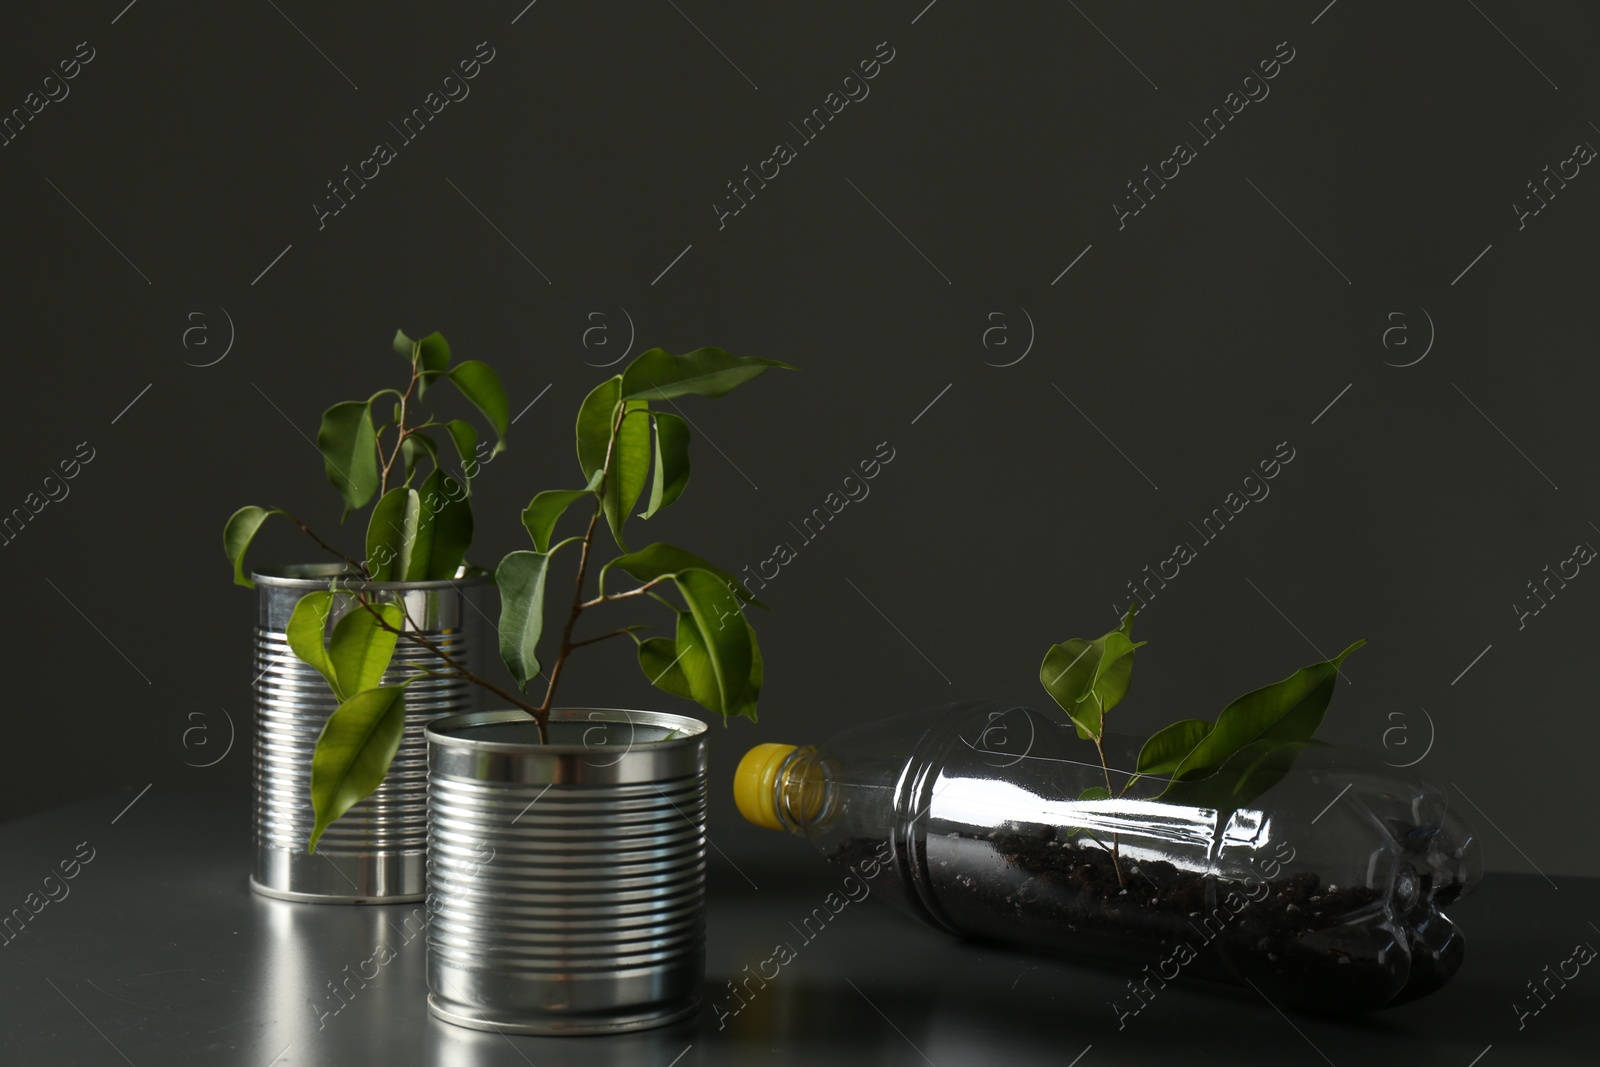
(1325, 889)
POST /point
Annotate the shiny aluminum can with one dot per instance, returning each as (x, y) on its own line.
(566, 882)
(376, 852)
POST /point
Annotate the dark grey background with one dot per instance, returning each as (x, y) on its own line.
(1198, 337)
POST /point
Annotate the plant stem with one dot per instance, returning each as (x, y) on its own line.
(461, 670)
(401, 433)
(609, 597)
(1091, 836)
(1116, 845)
(360, 567)
(602, 637)
(1104, 766)
(541, 714)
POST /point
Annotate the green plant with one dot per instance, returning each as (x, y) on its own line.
(623, 446)
(1222, 764)
(413, 534)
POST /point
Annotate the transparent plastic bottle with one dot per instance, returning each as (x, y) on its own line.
(1323, 885)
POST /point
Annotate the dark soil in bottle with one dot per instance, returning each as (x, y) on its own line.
(1302, 943)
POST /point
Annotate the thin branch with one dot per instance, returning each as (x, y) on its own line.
(542, 713)
(360, 567)
(462, 672)
(383, 461)
(602, 637)
(1090, 834)
(1104, 766)
(1116, 843)
(400, 426)
(607, 598)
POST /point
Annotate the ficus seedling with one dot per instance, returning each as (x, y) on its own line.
(624, 447)
(1221, 764)
(415, 533)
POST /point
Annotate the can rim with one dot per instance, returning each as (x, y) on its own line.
(439, 731)
(313, 576)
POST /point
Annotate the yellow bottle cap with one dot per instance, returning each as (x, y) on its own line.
(755, 782)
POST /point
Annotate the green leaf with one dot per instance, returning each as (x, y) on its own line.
(392, 535)
(1287, 710)
(661, 559)
(630, 466)
(360, 649)
(659, 375)
(418, 538)
(433, 359)
(1089, 678)
(545, 510)
(724, 636)
(1168, 746)
(758, 670)
(306, 633)
(629, 456)
(672, 461)
(465, 436)
(658, 658)
(238, 532)
(1242, 778)
(694, 664)
(520, 578)
(596, 415)
(481, 385)
(349, 447)
(414, 447)
(684, 667)
(353, 753)
(1260, 766)
(405, 345)
(447, 512)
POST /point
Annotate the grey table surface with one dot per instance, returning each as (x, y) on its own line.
(157, 953)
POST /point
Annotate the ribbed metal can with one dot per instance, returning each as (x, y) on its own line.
(566, 882)
(377, 852)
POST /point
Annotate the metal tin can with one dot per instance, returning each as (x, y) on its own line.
(376, 853)
(566, 882)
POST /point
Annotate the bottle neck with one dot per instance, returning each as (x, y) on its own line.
(800, 790)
